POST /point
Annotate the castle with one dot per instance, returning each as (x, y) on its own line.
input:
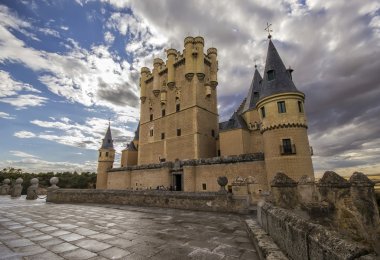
(179, 142)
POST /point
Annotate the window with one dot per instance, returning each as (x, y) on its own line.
(213, 133)
(218, 152)
(151, 117)
(177, 107)
(162, 136)
(287, 147)
(106, 154)
(300, 107)
(204, 186)
(163, 112)
(281, 107)
(100, 154)
(151, 132)
(262, 112)
(179, 132)
(109, 141)
(271, 75)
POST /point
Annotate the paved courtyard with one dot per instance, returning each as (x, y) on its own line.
(39, 230)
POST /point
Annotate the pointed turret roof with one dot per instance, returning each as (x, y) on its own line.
(131, 146)
(137, 132)
(235, 122)
(107, 140)
(282, 81)
(254, 91)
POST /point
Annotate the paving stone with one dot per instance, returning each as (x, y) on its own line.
(58, 233)
(85, 232)
(44, 256)
(19, 243)
(51, 242)
(40, 238)
(48, 229)
(204, 254)
(114, 253)
(71, 237)
(102, 236)
(64, 247)
(92, 245)
(228, 250)
(66, 226)
(30, 250)
(32, 234)
(39, 225)
(79, 254)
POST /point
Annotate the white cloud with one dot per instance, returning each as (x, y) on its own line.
(10, 87)
(6, 116)
(22, 154)
(24, 101)
(108, 37)
(24, 134)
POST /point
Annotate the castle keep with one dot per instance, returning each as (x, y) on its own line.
(179, 142)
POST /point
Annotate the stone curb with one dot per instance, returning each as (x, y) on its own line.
(265, 246)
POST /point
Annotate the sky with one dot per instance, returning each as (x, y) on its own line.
(67, 67)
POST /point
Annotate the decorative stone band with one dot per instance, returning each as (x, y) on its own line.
(279, 126)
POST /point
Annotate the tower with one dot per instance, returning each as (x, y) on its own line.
(178, 115)
(105, 160)
(284, 125)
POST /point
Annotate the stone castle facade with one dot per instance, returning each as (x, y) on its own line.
(179, 142)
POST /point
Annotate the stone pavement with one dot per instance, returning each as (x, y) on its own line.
(40, 230)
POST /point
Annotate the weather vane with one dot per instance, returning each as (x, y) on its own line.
(269, 30)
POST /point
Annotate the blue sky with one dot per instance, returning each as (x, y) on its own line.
(68, 66)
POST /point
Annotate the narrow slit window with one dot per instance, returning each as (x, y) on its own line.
(262, 112)
(204, 186)
(177, 107)
(300, 107)
(179, 132)
(281, 107)
(162, 136)
(163, 112)
(213, 133)
(151, 132)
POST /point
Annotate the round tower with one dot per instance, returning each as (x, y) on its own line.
(157, 63)
(105, 160)
(171, 55)
(212, 54)
(143, 76)
(189, 60)
(200, 63)
(284, 125)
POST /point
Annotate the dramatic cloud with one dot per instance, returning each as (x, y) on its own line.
(24, 134)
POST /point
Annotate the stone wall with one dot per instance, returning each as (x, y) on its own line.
(301, 239)
(347, 207)
(179, 200)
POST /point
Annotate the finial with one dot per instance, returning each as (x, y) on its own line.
(269, 30)
(109, 122)
(255, 64)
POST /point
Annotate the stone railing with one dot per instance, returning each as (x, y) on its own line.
(205, 201)
(316, 216)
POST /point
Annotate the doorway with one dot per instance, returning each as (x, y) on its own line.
(177, 182)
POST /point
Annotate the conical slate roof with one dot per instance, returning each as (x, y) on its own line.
(131, 146)
(282, 81)
(235, 122)
(107, 140)
(253, 93)
(137, 132)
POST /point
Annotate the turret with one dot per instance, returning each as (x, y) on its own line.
(105, 160)
(284, 126)
(199, 60)
(171, 55)
(157, 63)
(163, 93)
(143, 76)
(189, 60)
(212, 54)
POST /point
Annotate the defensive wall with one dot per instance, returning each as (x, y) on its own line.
(198, 175)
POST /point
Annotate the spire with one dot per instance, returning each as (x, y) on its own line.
(254, 91)
(107, 140)
(277, 79)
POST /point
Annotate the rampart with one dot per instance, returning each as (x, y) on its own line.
(331, 219)
(205, 201)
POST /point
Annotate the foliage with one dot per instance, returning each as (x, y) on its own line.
(84, 180)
